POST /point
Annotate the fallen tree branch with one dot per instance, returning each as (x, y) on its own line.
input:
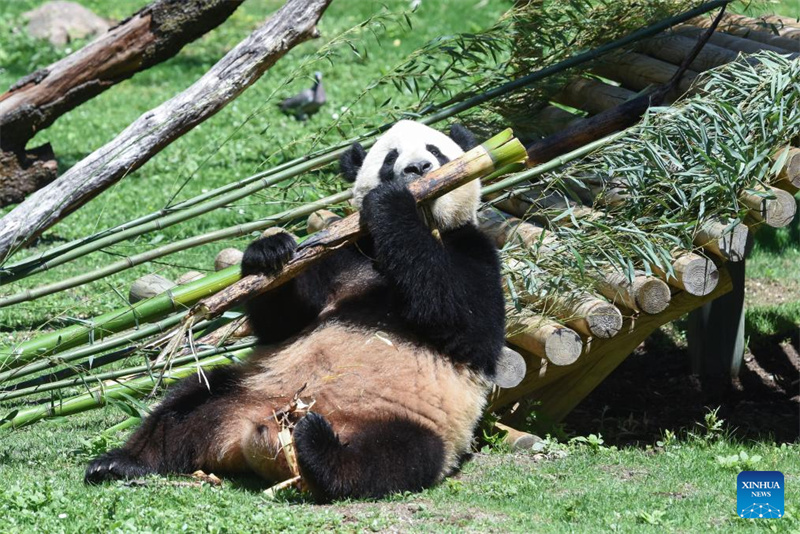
(241, 67)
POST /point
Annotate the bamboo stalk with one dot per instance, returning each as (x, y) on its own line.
(727, 243)
(776, 207)
(88, 379)
(643, 293)
(113, 342)
(693, 273)
(183, 244)
(135, 388)
(548, 340)
(498, 151)
(118, 320)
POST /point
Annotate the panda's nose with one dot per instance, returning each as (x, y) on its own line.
(417, 169)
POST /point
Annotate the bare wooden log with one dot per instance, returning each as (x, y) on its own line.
(729, 244)
(148, 286)
(189, 276)
(502, 228)
(788, 27)
(692, 273)
(543, 207)
(153, 34)
(548, 340)
(732, 42)
(644, 293)
(241, 67)
(674, 48)
(638, 72)
(777, 209)
(593, 96)
(320, 220)
(501, 150)
(753, 29)
(227, 257)
(511, 369)
(516, 439)
(790, 172)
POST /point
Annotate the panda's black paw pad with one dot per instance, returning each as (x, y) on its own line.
(268, 254)
(388, 201)
(115, 465)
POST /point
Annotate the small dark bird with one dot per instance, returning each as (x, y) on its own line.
(306, 102)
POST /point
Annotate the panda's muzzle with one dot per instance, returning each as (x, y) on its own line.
(415, 169)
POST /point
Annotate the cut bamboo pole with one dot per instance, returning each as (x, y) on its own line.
(674, 48)
(593, 96)
(731, 244)
(500, 150)
(644, 293)
(753, 29)
(777, 208)
(638, 72)
(548, 340)
(693, 273)
(731, 42)
(516, 439)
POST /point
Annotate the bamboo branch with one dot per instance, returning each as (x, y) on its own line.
(241, 67)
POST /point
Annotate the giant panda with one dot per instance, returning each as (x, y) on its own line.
(392, 341)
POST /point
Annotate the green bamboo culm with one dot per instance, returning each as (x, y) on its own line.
(152, 309)
(135, 388)
(233, 192)
(90, 380)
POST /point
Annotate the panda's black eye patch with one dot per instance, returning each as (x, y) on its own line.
(436, 153)
(386, 174)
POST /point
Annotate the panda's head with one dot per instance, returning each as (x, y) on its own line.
(407, 151)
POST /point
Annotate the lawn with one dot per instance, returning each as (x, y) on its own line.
(666, 479)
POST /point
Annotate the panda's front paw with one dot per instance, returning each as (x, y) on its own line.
(386, 203)
(268, 255)
(114, 465)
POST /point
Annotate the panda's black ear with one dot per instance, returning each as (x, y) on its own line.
(463, 137)
(351, 160)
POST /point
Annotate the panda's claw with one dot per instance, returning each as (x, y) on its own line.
(114, 465)
(268, 255)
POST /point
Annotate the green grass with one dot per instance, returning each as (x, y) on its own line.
(681, 486)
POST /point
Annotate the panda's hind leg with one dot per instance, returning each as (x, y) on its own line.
(178, 434)
(379, 457)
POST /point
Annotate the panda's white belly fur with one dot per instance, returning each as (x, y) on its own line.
(354, 374)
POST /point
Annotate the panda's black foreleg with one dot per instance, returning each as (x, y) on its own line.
(176, 434)
(287, 309)
(379, 458)
(449, 291)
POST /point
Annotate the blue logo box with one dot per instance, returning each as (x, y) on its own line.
(759, 494)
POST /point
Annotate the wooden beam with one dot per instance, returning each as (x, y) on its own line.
(644, 293)
(638, 72)
(547, 340)
(777, 208)
(728, 244)
(674, 49)
(732, 42)
(592, 96)
(693, 273)
(750, 28)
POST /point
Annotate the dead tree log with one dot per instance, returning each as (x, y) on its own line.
(294, 23)
(152, 35)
